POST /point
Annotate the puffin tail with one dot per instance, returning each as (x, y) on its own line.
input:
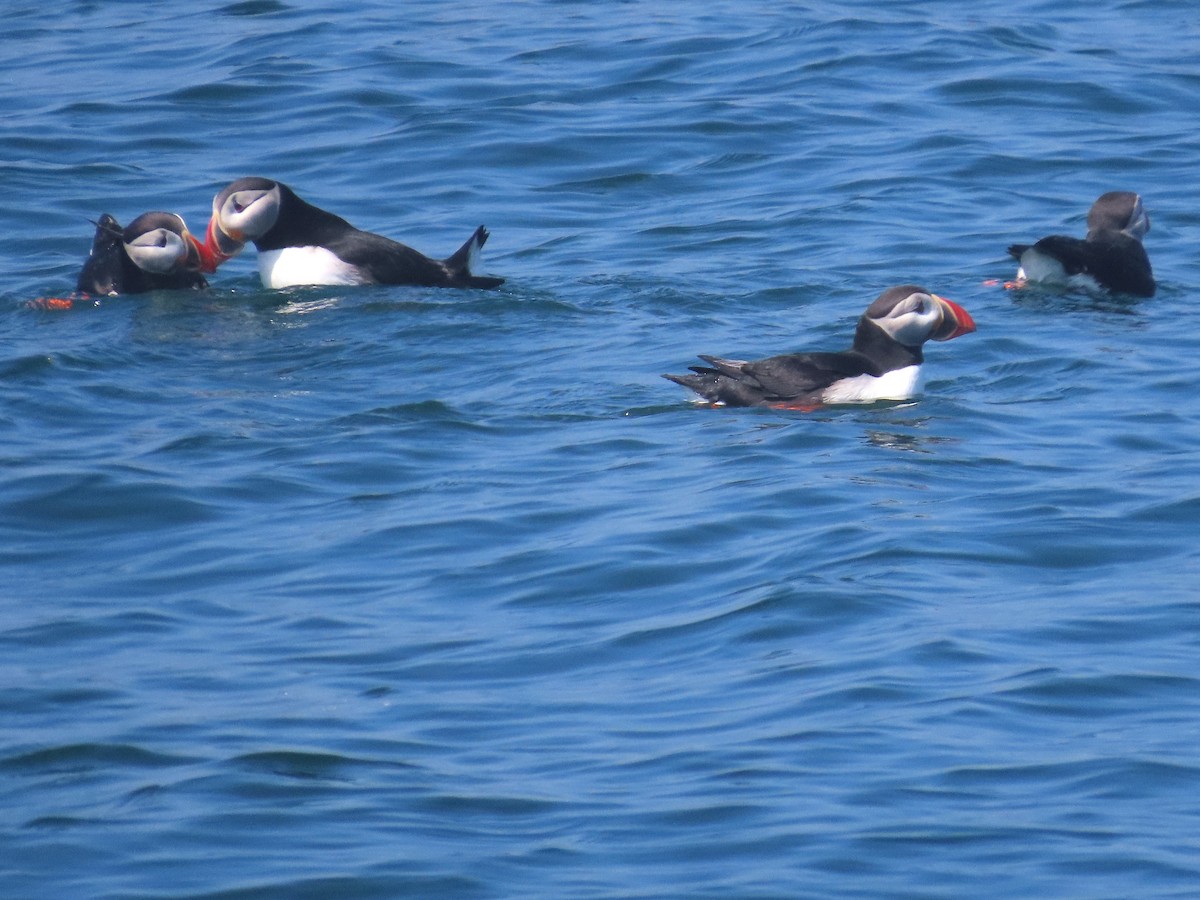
(704, 381)
(1016, 250)
(464, 259)
(103, 271)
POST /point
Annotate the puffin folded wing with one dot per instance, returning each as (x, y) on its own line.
(794, 375)
(381, 260)
(1120, 263)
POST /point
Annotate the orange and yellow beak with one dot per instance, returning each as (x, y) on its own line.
(218, 247)
(195, 253)
(956, 321)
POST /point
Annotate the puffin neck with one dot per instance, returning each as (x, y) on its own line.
(300, 224)
(882, 349)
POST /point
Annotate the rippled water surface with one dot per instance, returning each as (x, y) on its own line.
(396, 592)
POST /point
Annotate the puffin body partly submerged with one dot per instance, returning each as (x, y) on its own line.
(1111, 257)
(301, 244)
(155, 252)
(884, 362)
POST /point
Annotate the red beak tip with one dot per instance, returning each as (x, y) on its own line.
(963, 323)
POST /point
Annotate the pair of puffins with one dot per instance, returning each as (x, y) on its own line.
(298, 244)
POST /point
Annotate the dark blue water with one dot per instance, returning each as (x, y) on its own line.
(395, 592)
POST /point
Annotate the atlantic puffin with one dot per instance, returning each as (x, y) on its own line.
(154, 252)
(1111, 257)
(884, 362)
(300, 244)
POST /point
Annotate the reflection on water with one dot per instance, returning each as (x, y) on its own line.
(898, 440)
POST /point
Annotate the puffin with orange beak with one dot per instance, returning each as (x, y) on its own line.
(301, 244)
(884, 362)
(154, 252)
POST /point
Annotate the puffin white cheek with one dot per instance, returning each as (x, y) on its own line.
(159, 251)
(231, 216)
(915, 328)
(249, 215)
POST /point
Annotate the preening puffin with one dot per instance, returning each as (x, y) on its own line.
(1110, 257)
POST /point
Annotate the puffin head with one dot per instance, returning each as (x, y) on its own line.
(911, 315)
(242, 213)
(1119, 211)
(159, 242)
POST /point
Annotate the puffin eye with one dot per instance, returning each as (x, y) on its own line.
(236, 202)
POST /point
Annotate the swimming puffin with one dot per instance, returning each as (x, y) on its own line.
(156, 251)
(883, 364)
(299, 244)
(1110, 257)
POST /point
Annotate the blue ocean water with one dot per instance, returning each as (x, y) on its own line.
(396, 592)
